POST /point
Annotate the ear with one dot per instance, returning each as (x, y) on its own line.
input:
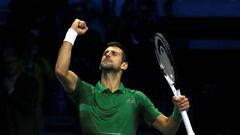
(124, 66)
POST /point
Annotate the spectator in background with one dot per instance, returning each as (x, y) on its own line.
(40, 68)
(18, 94)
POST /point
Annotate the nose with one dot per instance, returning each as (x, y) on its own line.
(107, 54)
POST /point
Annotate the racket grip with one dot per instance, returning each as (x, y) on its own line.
(184, 114)
(187, 123)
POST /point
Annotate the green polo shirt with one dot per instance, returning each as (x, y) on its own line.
(105, 113)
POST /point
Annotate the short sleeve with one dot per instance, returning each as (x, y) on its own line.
(83, 89)
(148, 110)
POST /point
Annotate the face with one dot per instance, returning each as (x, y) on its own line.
(112, 60)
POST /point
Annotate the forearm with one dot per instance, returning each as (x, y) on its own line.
(174, 122)
(64, 58)
(78, 27)
(168, 125)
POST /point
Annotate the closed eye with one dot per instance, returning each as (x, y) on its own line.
(114, 53)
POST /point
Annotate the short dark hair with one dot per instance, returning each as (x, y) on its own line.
(119, 45)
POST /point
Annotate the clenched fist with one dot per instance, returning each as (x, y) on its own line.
(79, 26)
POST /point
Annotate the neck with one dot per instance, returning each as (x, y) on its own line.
(111, 80)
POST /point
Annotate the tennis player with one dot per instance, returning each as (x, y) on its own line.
(109, 108)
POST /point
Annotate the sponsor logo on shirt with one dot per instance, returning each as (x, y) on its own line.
(130, 101)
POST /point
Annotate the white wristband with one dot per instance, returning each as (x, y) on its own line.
(71, 36)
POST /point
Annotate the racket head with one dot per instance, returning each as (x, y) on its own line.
(164, 57)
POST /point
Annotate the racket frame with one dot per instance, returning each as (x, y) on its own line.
(170, 78)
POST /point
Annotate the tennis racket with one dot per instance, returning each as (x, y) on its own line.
(166, 62)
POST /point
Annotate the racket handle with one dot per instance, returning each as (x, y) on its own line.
(184, 114)
(187, 123)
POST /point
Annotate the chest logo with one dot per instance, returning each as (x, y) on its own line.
(130, 101)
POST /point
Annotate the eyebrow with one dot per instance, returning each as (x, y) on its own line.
(111, 51)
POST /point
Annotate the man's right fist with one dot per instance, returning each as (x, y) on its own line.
(79, 26)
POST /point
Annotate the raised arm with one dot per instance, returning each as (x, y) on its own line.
(68, 78)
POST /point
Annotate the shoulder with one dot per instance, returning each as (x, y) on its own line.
(84, 86)
(140, 97)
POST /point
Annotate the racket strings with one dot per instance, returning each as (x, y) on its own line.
(164, 57)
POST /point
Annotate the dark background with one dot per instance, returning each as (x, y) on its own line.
(204, 36)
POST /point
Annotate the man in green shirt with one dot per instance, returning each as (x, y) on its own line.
(109, 108)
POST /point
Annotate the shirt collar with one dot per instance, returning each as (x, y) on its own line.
(101, 88)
